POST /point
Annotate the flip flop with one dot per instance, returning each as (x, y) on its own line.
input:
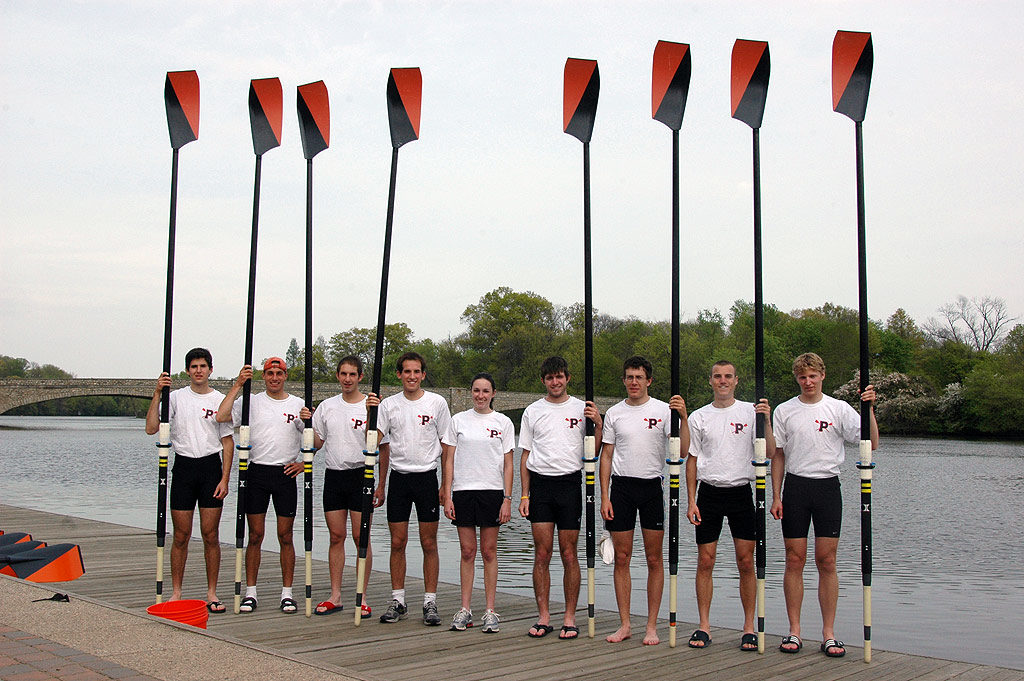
(542, 630)
(248, 604)
(327, 606)
(700, 636)
(575, 631)
(748, 640)
(791, 640)
(288, 605)
(215, 607)
(364, 611)
(833, 643)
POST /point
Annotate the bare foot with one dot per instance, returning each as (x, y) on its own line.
(621, 634)
(651, 638)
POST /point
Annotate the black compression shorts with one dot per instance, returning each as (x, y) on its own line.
(343, 489)
(556, 499)
(716, 504)
(194, 481)
(807, 499)
(406, 489)
(265, 482)
(477, 507)
(632, 495)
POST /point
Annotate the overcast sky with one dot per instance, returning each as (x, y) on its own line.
(491, 193)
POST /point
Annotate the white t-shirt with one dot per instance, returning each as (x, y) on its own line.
(553, 433)
(275, 429)
(640, 436)
(812, 435)
(194, 429)
(342, 427)
(481, 442)
(414, 429)
(722, 441)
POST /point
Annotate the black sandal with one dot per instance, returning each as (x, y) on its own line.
(748, 640)
(791, 640)
(833, 643)
(701, 637)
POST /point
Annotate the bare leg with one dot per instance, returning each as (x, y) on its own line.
(489, 552)
(543, 547)
(356, 518)
(431, 562)
(181, 521)
(284, 538)
(748, 582)
(828, 583)
(399, 539)
(567, 546)
(793, 581)
(336, 552)
(653, 541)
(623, 544)
(467, 563)
(257, 525)
(209, 524)
(706, 555)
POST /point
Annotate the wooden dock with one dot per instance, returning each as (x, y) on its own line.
(120, 571)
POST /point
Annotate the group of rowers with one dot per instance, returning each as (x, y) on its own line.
(474, 450)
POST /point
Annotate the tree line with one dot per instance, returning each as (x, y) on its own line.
(958, 374)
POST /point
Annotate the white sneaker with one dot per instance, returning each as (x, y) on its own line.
(491, 620)
(463, 618)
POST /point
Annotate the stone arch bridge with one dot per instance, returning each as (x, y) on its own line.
(16, 392)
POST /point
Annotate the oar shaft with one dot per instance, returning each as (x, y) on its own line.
(673, 443)
(307, 432)
(760, 455)
(865, 465)
(307, 512)
(243, 448)
(164, 441)
(590, 446)
(378, 352)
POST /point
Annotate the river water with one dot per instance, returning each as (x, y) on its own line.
(948, 522)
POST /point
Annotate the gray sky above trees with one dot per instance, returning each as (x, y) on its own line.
(491, 193)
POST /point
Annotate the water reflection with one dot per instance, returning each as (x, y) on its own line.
(948, 527)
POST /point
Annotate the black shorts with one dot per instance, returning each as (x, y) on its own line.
(717, 503)
(343, 489)
(264, 482)
(807, 499)
(406, 489)
(477, 507)
(631, 495)
(194, 481)
(556, 499)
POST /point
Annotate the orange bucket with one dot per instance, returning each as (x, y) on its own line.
(189, 611)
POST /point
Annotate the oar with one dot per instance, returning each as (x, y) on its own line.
(315, 130)
(181, 99)
(405, 89)
(852, 59)
(582, 83)
(750, 70)
(265, 113)
(670, 83)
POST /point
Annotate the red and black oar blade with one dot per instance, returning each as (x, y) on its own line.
(314, 118)
(670, 82)
(750, 69)
(266, 109)
(56, 563)
(181, 98)
(14, 538)
(582, 84)
(405, 93)
(852, 59)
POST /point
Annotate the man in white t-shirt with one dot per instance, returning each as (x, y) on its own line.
(635, 438)
(202, 467)
(275, 435)
(413, 421)
(551, 436)
(722, 438)
(339, 430)
(810, 430)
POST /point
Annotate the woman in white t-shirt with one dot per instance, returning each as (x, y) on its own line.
(478, 492)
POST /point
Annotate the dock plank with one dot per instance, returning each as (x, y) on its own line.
(120, 570)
